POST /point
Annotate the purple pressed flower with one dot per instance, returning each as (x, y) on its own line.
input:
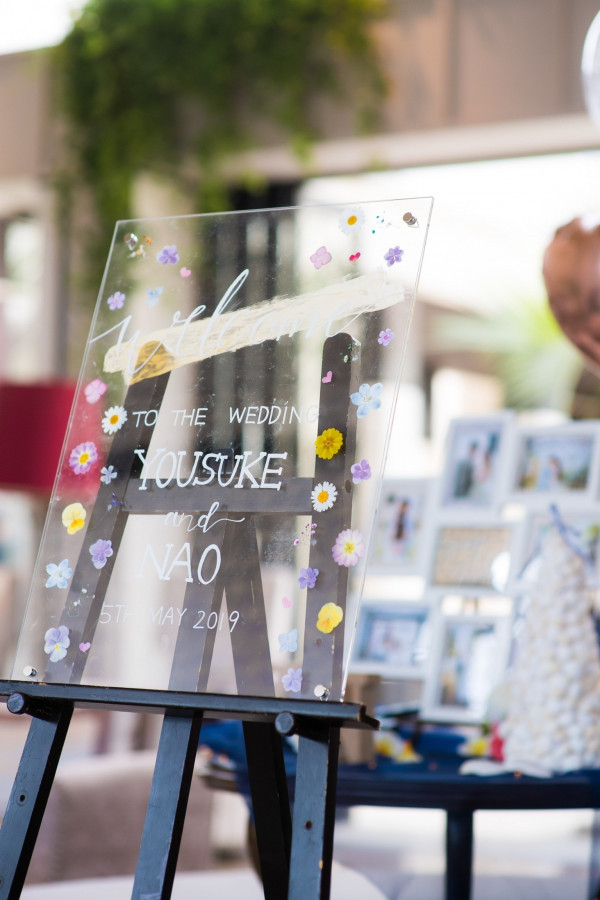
(57, 642)
(100, 551)
(361, 471)
(385, 337)
(168, 255)
(292, 680)
(394, 255)
(83, 457)
(116, 300)
(308, 578)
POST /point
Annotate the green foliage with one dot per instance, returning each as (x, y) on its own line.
(535, 362)
(147, 84)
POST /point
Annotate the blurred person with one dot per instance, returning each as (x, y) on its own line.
(571, 271)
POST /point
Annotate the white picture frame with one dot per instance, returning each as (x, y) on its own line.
(393, 639)
(473, 473)
(397, 544)
(469, 656)
(583, 528)
(559, 464)
(472, 557)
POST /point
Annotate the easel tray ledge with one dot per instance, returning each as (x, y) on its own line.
(266, 709)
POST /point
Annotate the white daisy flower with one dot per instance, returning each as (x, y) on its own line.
(114, 418)
(323, 496)
(351, 219)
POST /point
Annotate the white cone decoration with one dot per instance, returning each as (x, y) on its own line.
(553, 712)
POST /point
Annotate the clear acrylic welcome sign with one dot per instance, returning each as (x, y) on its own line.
(209, 525)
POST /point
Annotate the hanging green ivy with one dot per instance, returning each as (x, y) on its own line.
(147, 85)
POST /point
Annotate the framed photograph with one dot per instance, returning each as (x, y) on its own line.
(392, 639)
(397, 543)
(472, 558)
(474, 463)
(556, 464)
(468, 658)
(583, 531)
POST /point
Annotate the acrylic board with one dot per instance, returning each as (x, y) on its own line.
(209, 526)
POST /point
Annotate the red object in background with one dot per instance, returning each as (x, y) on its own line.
(497, 743)
(33, 422)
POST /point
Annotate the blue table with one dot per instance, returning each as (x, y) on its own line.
(435, 783)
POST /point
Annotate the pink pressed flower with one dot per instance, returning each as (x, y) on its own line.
(94, 390)
(82, 457)
(348, 548)
(116, 300)
(321, 257)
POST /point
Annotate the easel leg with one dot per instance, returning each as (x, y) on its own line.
(459, 854)
(270, 806)
(166, 807)
(314, 816)
(29, 796)
(594, 874)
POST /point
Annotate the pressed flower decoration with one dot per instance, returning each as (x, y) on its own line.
(100, 551)
(385, 337)
(321, 257)
(348, 548)
(367, 398)
(73, 517)
(153, 296)
(83, 457)
(116, 300)
(329, 443)
(292, 680)
(394, 255)
(94, 390)
(352, 219)
(185, 273)
(107, 474)
(329, 617)
(288, 642)
(308, 578)
(57, 643)
(114, 419)
(168, 255)
(58, 574)
(323, 496)
(360, 471)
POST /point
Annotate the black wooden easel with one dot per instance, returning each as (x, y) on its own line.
(295, 856)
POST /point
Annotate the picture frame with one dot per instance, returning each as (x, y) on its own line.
(559, 464)
(583, 527)
(472, 557)
(469, 656)
(473, 472)
(397, 545)
(393, 639)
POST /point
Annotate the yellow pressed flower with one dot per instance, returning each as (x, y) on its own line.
(330, 616)
(73, 517)
(329, 443)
